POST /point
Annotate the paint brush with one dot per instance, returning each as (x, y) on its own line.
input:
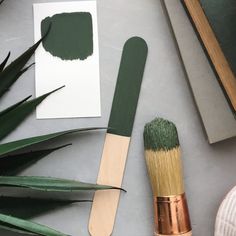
(162, 153)
(118, 136)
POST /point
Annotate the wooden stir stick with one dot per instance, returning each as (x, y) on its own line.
(117, 139)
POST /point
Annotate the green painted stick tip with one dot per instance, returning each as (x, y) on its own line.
(128, 87)
(160, 134)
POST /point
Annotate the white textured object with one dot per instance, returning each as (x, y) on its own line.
(226, 217)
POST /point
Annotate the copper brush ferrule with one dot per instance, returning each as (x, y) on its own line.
(164, 166)
(171, 215)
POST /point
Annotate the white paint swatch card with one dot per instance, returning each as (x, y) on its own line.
(68, 56)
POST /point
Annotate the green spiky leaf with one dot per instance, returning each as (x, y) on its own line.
(21, 72)
(27, 207)
(7, 202)
(5, 111)
(2, 65)
(13, 203)
(13, 118)
(12, 72)
(12, 164)
(7, 148)
(27, 227)
(15, 229)
(49, 184)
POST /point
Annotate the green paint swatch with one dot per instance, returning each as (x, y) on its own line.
(70, 37)
(128, 87)
(160, 134)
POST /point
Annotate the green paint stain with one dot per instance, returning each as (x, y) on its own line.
(70, 37)
(128, 87)
(160, 134)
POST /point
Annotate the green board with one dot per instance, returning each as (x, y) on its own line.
(222, 18)
(128, 87)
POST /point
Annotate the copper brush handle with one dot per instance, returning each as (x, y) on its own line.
(187, 234)
(172, 216)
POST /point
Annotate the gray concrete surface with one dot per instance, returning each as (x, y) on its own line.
(209, 170)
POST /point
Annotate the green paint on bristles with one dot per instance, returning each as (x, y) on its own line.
(160, 134)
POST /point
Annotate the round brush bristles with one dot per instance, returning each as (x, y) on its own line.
(162, 152)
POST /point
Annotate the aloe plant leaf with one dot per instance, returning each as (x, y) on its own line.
(19, 74)
(25, 226)
(11, 73)
(14, 106)
(2, 65)
(13, 164)
(27, 207)
(49, 184)
(13, 118)
(15, 229)
(7, 148)
(11, 203)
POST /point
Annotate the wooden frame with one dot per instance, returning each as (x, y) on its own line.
(213, 48)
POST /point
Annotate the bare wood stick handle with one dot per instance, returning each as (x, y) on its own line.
(111, 172)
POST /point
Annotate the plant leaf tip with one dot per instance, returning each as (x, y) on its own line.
(121, 189)
(65, 145)
(3, 64)
(61, 87)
